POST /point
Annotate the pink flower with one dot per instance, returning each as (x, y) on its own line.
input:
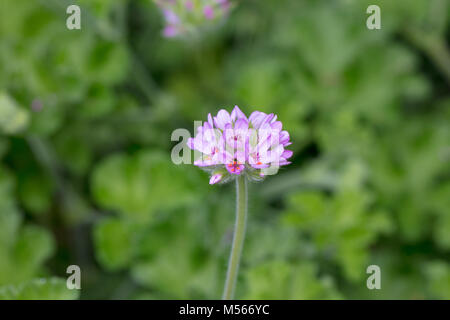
(189, 5)
(171, 17)
(232, 144)
(170, 31)
(208, 11)
(184, 17)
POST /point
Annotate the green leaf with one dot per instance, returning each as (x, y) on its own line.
(33, 247)
(438, 275)
(10, 219)
(35, 192)
(140, 184)
(282, 280)
(13, 119)
(114, 241)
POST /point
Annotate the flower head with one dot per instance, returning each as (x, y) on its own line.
(187, 16)
(230, 145)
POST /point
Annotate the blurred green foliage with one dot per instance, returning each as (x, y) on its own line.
(86, 178)
(39, 289)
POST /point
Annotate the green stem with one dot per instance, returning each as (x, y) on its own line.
(238, 238)
(434, 46)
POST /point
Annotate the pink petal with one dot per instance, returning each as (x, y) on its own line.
(256, 118)
(208, 11)
(237, 114)
(287, 154)
(241, 124)
(191, 143)
(170, 31)
(277, 125)
(235, 168)
(215, 178)
(189, 5)
(210, 120)
(222, 119)
(171, 17)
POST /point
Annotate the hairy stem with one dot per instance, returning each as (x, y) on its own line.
(238, 238)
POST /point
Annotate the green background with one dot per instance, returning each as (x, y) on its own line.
(86, 177)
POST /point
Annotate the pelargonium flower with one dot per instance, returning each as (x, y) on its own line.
(186, 16)
(231, 145)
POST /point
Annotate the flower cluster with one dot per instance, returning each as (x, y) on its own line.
(185, 16)
(232, 144)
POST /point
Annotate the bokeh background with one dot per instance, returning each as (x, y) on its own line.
(86, 178)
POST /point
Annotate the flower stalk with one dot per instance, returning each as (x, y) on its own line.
(240, 148)
(238, 237)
